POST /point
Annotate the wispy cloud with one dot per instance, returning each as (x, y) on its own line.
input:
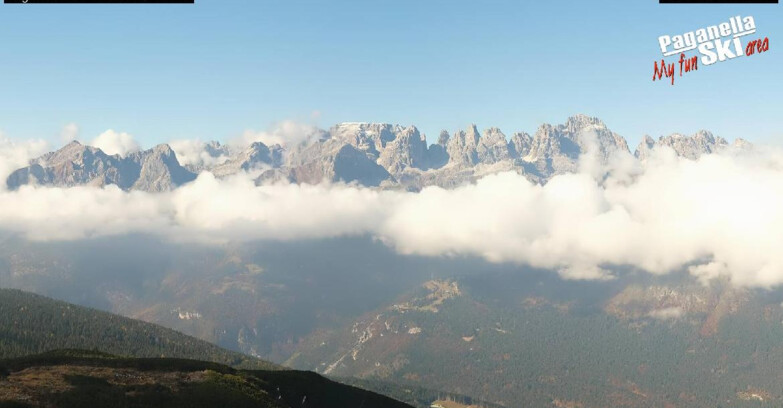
(194, 152)
(16, 154)
(69, 132)
(113, 142)
(285, 133)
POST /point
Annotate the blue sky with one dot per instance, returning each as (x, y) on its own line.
(213, 69)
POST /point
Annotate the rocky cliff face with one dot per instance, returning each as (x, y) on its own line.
(407, 150)
(690, 147)
(74, 165)
(159, 169)
(437, 156)
(520, 144)
(152, 170)
(332, 160)
(493, 147)
(257, 156)
(369, 154)
(462, 147)
(370, 138)
(556, 149)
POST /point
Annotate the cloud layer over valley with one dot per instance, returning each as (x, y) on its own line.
(719, 215)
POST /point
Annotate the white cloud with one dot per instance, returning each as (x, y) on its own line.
(69, 132)
(237, 209)
(285, 133)
(80, 212)
(196, 153)
(14, 155)
(718, 216)
(112, 142)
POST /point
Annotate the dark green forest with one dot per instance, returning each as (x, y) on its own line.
(94, 379)
(31, 324)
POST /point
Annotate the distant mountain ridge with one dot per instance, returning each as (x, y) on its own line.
(370, 154)
(152, 170)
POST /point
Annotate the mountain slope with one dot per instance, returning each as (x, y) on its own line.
(690, 147)
(520, 341)
(494, 332)
(31, 324)
(73, 378)
(152, 170)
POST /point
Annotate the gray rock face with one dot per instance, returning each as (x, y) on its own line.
(394, 147)
(152, 170)
(437, 156)
(492, 147)
(645, 148)
(520, 144)
(462, 147)
(366, 137)
(215, 151)
(159, 170)
(556, 149)
(333, 160)
(407, 150)
(256, 157)
(74, 165)
(689, 147)
(370, 154)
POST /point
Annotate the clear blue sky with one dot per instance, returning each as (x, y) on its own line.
(216, 68)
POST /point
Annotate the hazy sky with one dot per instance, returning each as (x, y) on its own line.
(216, 68)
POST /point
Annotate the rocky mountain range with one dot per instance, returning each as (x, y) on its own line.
(156, 169)
(370, 154)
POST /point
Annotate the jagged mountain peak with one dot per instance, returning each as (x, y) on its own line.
(691, 147)
(256, 156)
(520, 144)
(462, 145)
(741, 143)
(492, 132)
(444, 137)
(163, 148)
(373, 138)
(580, 122)
(73, 150)
(361, 133)
(159, 169)
(373, 154)
(153, 170)
(493, 146)
(472, 130)
(410, 132)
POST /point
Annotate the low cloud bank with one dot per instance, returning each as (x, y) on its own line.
(719, 216)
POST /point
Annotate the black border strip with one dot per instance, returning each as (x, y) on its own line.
(718, 1)
(99, 1)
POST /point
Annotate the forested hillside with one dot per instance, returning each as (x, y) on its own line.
(517, 344)
(74, 378)
(31, 324)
